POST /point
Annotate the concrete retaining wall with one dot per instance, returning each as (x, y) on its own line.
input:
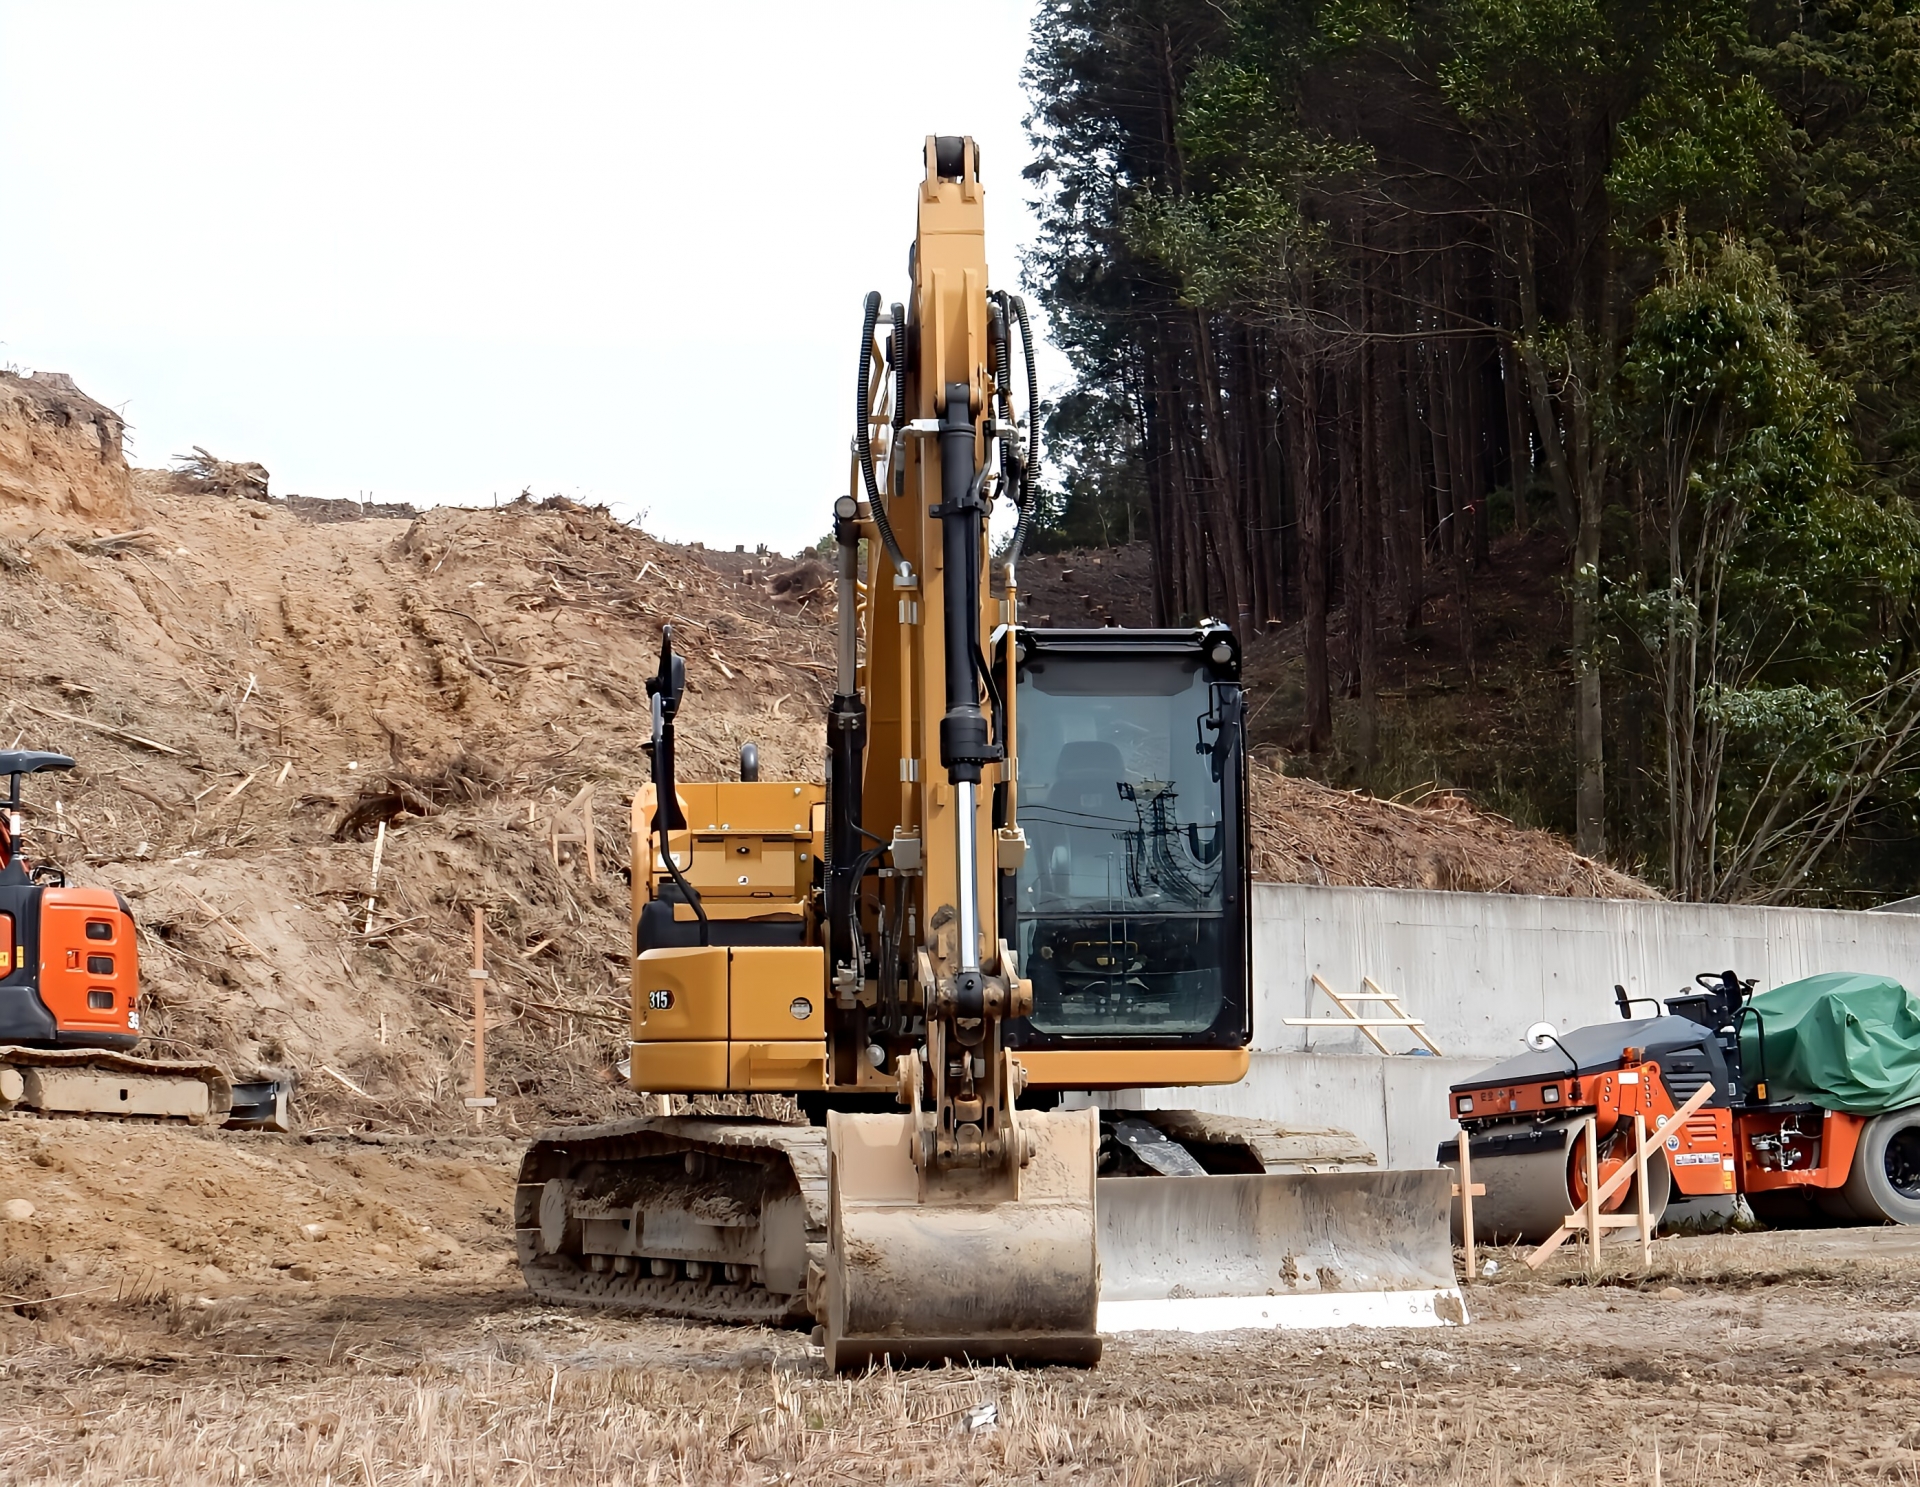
(1479, 968)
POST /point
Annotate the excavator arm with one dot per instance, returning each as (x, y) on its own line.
(965, 1226)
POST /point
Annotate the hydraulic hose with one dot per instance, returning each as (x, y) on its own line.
(997, 316)
(1030, 476)
(687, 891)
(862, 440)
(897, 354)
(1033, 394)
(664, 690)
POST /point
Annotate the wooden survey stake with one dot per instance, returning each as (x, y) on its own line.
(1466, 1190)
(373, 883)
(479, 1100)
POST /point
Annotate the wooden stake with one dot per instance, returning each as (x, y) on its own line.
(1591, 1138)
(1466, 1190)
(373, 884)
(479, 1100)
(1640, 1190)
(240, 704)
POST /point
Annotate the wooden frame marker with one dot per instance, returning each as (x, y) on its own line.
(573, 822)
(1590, 1221)
(1466, 1190)
(1351, 1018)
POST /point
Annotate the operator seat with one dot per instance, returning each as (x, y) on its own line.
(1073, 834)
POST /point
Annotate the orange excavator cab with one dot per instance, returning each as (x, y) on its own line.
(71, 972)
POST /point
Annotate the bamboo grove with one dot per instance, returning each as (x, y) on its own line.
(1351, 288)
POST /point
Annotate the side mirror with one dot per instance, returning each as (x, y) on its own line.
(665, 689)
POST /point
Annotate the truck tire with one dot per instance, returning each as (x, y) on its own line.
(1884, 1185)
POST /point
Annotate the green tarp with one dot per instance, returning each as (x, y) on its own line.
(1842, 1040)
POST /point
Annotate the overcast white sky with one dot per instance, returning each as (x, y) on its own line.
(437, 251)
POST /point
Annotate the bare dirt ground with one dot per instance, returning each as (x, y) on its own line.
(397, 1348)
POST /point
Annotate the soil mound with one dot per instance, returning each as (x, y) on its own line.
(1304, 832)
(252, 692)
(60, 451)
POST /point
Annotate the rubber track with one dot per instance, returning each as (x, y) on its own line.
(219, 1087)
(558, 1278)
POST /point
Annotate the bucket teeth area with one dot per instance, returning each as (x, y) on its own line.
(966, 1265)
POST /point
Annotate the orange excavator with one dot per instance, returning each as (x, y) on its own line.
(70, 999)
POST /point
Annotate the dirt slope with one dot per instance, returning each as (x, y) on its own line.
(239, 682)
(252, 685)
(60, 451)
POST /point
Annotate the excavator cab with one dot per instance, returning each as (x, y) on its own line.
(14, 763)
(1129, 910)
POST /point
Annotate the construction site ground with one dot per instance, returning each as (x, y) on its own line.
(332, 1310)
(253, 686)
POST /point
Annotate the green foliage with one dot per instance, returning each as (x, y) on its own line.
(1843, 211)
(1744, 410)
(1499, 52)
(1698, 138)
(1244, 243)
(1767, 632)
(1097, 497)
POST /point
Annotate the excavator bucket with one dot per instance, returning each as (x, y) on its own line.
(1309, 1249)
(963, 1265)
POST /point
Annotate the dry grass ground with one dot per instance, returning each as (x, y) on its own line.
(1785, 1358)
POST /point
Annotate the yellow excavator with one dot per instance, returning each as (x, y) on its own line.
(1024, 881)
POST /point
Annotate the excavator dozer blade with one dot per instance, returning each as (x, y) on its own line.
(1309, 1249)
(972, 1266)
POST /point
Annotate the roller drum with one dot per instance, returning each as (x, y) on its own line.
(1529, 1188)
